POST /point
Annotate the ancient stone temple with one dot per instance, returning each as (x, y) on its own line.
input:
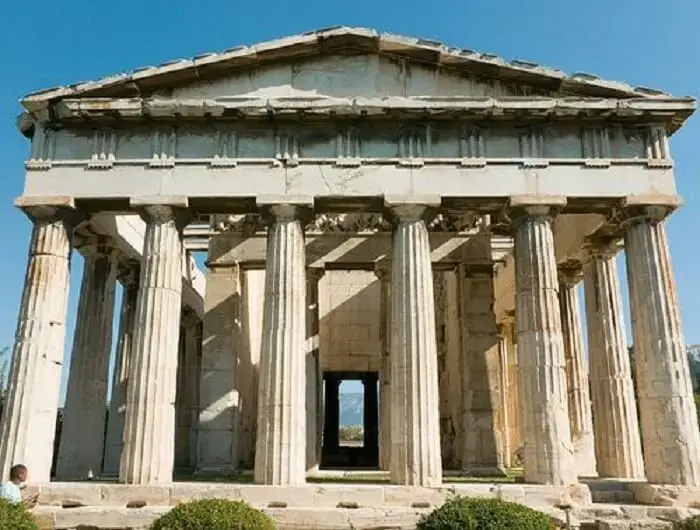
(374, 208)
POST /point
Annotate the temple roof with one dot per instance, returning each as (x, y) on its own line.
(144, 81)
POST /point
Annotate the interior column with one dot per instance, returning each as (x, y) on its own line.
(580, 419)
(313, 370)
(615, 422)
(128, 274)
(82, 435)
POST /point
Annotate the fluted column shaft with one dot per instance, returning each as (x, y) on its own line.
(187, 393)
(314, 384)
(503, 418)
(579, 400)
(82, 435)
(548, 453)
(149, 428)
(415, 416)
(29, 415)
(615, 421)
(117, 402)
(280, 456)
(668, 418)
(384, 276)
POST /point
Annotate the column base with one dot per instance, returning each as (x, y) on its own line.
(485, 471)
(666, 495)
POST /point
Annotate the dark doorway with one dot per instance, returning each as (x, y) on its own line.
(359, 448)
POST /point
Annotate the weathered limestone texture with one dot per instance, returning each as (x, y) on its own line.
(415, 425)
(280, 452)
(149, 426)
(514, 414)
(580, 420)
(120, 379)
(482, 451)
(252, 298)
(669, 423)
(383, 272)
(82, 436)
(314, 383)
(187, 393)
(503, 423)
(216, 441)
(615, 423)
(548, 453)
(29, 415)
(447, 325)
(349, 309)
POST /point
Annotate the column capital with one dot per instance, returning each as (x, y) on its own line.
(523, 207)
(128, 272)
(190, 319)
(285, 208)
(160, 210)
(314, 274)
(411, 208)
(94, 246)
(570, 273)
(602, 246)
(50, 209)
(382, 269)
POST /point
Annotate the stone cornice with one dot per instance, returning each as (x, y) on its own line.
(665, 109)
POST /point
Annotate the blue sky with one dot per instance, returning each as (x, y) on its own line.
(46, 43)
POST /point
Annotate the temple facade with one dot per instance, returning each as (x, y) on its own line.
(374, 208)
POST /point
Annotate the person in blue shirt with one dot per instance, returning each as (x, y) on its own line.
(11, 490)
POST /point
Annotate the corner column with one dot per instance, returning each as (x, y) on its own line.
(579, 401)
(149, 427)
(548, 453)
(668, 417)
(29, 416)
(82, 436)
(415, 415)
(280, 450)
(615, 421)
(314, 384)
(129, 277)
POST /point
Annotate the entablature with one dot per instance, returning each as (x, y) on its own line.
(535, 132)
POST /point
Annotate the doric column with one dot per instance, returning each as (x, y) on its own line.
(187, 393)
(280, 451)
(548, 454)
(314, 385)
(129, 277)
(415, 428)
(82, 435)
(668, 418)
(504, 420)
(383, 272)
(580, 420)
(615, 422)
(149, 427)
(29, 414)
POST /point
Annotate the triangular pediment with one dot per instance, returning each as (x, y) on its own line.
(339, 62)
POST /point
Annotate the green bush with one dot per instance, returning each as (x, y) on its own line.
(689, 524)
(15, 517)
(214, 514)
(462, 513)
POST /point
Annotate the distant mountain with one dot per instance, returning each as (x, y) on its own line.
(351, 408)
